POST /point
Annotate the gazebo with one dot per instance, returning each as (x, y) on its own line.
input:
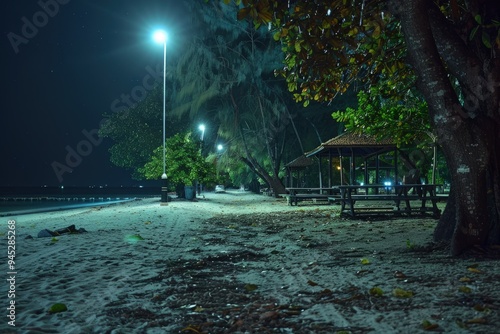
(297, 168)
(353, 146)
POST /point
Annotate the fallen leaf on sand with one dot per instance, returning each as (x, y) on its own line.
(192, 329)
(481, 308)
(429, 326)
(250, 287)
(312, 283)
(376, 291)
(133, 238)
(400, 293)
(58, 308)
(399, 274)
(464, 289)
(477, 321)
(269, 315)
(474, 270)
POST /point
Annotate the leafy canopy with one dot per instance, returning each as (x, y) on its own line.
(136, 132)
(184, 162)
(405, 121)
(329, 45)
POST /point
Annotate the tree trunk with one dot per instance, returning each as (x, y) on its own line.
(465, 157)
(468, 133)
(446, 225)
(273, 182)
(278, 187)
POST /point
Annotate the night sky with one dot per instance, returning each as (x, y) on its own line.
(59, 79)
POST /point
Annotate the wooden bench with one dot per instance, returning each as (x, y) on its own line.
(390, 202)
(294, 199)
(320, 194)
(267, 192)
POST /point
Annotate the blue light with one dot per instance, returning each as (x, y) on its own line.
(160, 36)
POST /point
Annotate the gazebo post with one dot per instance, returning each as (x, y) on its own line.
(366, 172)
(330, 169)
(341, 168)
(320, 172)
(294, 168)
(353, 168)
(395, 166)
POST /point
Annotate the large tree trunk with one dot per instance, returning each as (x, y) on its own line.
(467, 154)
(446, 225)
(274, 182)
(468, 133)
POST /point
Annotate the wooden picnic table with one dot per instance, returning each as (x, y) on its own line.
(296, 194)
(389, 198)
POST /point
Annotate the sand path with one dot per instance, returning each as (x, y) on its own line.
(243, 263)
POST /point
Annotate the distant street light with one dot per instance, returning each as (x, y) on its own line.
(220, 147)
(160, 37)
(202, 129)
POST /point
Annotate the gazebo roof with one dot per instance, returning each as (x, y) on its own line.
(300, 162)
(349, 143)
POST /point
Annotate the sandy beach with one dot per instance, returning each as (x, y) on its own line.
(237, 262)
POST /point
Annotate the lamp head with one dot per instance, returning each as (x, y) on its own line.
(160, 36)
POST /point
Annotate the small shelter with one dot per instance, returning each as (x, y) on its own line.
(295, 170)
(353, 146)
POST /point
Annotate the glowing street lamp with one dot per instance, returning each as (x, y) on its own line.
(220, 149)
(202, 129)
(160, 37)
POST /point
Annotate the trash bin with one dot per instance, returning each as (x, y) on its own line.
(189, 192)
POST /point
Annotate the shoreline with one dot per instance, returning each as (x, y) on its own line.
(53, 207)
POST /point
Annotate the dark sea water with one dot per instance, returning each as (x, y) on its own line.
(25, 200)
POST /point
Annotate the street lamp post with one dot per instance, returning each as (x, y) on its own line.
(202, 129)
(161, 37)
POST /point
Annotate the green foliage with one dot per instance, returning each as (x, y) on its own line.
(227, 76)
(329, 45)
(405, 120)
(332, 45)
(137, 131)
(184, 163)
